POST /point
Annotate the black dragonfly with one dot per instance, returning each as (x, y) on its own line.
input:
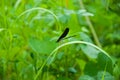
(64, 34)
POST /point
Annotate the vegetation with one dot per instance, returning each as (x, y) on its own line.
(89, 50)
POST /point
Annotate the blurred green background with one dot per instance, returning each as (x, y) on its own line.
(29, 30)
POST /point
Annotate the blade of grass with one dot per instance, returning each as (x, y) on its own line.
(41, 9)
(104, 71)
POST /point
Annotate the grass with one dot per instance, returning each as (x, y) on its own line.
(54, 53)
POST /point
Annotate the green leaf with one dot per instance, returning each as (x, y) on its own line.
(107, 76)
(72, 69)
(90, 51)
(85, 37)
(50, 60)
(104, 61)
(60, 55)
(86, 77)
(42, 46)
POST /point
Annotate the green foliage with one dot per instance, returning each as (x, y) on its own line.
(43, 46)
(29, 30)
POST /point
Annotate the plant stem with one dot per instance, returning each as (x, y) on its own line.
(90, 26)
